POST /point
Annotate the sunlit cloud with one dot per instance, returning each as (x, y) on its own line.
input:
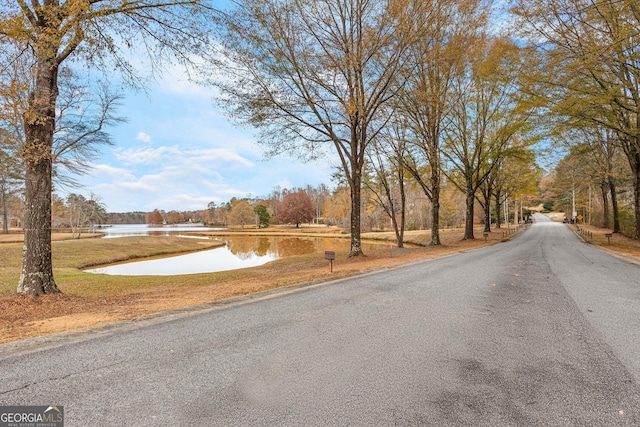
(180, 81)
(176, 156)
(139, 156)
(184, 87)
(134, 186)
(217, 155)
(144, 137)
(103, 170)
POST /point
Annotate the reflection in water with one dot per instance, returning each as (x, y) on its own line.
(244, 246)
(263, 246)
(295, 246)
(239, 252)
(219, 259)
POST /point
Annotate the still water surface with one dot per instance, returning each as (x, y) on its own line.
(238, 252)
(125, 230)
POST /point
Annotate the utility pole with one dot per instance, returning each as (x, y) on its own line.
(506, 209)
(589, 212)
(521, 202)
(573, 203)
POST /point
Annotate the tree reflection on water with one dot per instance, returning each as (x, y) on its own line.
(246, 247)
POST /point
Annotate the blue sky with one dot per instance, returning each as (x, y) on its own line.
(178, 152)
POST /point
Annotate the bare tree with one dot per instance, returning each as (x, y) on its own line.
(598, 156)
(487, 114)
(104, 33)
(84, 112)
(83, 116)
(84, 212)
(386, 157)
(426, 97)
(311, 72)
(10, 176)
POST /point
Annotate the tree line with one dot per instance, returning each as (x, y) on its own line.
(331, 207)
(283, 207)
(309, 205)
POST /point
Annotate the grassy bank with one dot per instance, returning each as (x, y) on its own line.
(71, 256)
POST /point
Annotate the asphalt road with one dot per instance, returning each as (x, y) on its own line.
(543, 330)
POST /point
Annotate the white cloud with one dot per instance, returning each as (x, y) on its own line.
(178, 81)
(217, 155)
(134, 186)
(184, 87)
(144, 137)
(170, 178)
(103, 170)
(139, 156)
(176, 156)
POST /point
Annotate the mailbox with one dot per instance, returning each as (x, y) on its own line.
(330, 255)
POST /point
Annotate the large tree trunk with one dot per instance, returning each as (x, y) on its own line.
(604, 188)
(486, 195)
(398, 228)
(403, 211)
(36, 277)
(356, 189)
(498, 195)
(487, 216)
(634, 162)
(435, 212)
(468, 222)
(631, 148)
(636, 202)
(5, 214)
(614, 205)
(434, 156)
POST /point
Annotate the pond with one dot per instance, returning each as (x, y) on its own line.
(240, 251)
(124, 230)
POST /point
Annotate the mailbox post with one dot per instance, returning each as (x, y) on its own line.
(330, 255)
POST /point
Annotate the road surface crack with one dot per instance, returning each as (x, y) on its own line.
(61, 378)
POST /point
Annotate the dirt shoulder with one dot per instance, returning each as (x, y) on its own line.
(81, 306)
